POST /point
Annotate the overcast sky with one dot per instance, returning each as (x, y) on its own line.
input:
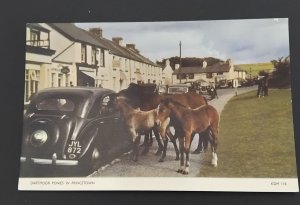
(244, 41)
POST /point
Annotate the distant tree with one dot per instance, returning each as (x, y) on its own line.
(282, 74)
(189, 61)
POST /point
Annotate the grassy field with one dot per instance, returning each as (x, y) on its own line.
(256, 138)
(255, 68)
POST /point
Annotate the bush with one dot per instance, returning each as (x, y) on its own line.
(281, 75)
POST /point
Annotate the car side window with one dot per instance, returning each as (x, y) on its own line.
(102, 107)
(105, 108)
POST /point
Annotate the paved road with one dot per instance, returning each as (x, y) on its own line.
(148, 166)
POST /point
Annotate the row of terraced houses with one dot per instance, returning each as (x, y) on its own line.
(62, 54)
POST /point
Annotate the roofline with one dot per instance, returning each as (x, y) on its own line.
(73, 39)
(38, 27)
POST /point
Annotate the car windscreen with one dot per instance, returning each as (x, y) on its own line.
(58, 104)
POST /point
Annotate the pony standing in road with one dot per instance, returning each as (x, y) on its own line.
(191, 121)
(138, 122)
(140, 96)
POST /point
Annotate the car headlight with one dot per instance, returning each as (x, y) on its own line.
(38, 138)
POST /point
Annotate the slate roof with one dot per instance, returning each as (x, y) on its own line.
(118, 50)
(74, 33)
(37, 27)
(215, 68)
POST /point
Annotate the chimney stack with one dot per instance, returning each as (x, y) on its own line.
(229, 62)
(96, 32)
(118, 40)
(132, 47)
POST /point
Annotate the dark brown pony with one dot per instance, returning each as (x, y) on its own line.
(138, 122)
(140, 96)
(190, 121)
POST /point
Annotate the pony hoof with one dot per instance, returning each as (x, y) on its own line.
(197, 151)
(179, 171)
(161, 160)
(214, 164)
(185, 172)
(159, 152)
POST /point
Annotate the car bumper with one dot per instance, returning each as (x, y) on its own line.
(49, 161)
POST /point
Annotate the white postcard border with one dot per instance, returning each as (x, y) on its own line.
(160, 184)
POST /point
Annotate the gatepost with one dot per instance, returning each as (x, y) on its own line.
(235, 85)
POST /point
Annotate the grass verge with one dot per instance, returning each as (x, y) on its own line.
(256, 138)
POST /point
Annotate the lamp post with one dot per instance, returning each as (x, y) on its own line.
(179, 61)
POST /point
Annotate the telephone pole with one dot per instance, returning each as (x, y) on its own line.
(180, 61)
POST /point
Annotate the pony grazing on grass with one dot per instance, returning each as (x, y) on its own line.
(191, 121)
(139, 122)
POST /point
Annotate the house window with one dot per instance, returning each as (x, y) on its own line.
(126, 65)
(34, 37)
(67, 80)
(52, 79)
(26, 85)
(114, 83)
(60, 80)
(31, 83)
(94, 56)
(183, 76)
(220, 73)
(83, 53)
(191, 76)
(102, 58)
(208, 75)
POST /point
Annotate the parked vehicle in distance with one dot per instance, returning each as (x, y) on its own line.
(71, 129)
(162, 89)
(178, 88)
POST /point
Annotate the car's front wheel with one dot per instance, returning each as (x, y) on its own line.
(91, 161)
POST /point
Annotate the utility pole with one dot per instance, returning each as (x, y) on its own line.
(179, 61)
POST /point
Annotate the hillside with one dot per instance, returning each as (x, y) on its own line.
(255, 68)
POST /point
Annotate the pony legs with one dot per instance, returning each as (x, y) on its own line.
(159, 143)
(214, 145)
(173, 140)
(136, 141)
(181, 148)
(184, 146)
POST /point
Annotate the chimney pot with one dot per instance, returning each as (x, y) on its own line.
(118, 40)
(96, 32)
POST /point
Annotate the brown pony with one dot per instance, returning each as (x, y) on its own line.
(190, 121)
(138, 122)
(146, 99)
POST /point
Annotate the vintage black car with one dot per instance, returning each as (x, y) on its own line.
(71, 130)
